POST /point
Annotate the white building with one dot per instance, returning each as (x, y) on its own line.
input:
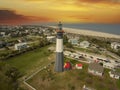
(115, 45)
(84, 44)
(51, 38)
(109, 65)
(79, 66)
(73, 41)
(2, 33)
(67, 53)
(87, 88)
(114, 74)
(20, 46)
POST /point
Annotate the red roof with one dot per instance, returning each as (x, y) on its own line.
(67, 65)
(60, 31)
(79, 65)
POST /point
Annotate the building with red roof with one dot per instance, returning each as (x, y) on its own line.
(67, 66)
(79, 66)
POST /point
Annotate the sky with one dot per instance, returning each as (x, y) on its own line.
(68, 11)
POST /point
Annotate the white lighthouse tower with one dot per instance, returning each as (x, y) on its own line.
(59, 49)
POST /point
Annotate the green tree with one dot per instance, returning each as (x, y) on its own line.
(65, 39)
(13, 74)
(43, 41)
(69, 45)
(8, 77)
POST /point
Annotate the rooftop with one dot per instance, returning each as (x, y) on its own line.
(96, 67)
(60, 31)
(115, 72)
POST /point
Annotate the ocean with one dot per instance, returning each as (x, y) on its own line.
(107, 28)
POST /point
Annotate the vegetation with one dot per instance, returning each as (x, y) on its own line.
(28, 61)
(73, 79)
(5, 54)
(66, 43)
(118, 52)
(9, 77)
(69, 45)
(65, 39)
(34, 57)
(101, 43)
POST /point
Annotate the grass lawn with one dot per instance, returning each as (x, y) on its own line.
(47, 79)
(33, 60)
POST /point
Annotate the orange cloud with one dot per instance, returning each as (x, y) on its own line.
(11, 17)
(77, 1)
(99, 1)
(7, 16)
(103, 11)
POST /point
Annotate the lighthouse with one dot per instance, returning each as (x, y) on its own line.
(59, 49)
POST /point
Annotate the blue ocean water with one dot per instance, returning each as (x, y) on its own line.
(107, 28)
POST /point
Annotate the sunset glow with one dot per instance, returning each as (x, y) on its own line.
(83, 11)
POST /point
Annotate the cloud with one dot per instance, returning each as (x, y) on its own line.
(99, 1)
(11, 17)
(7, 16)
(77, 1)
(97, 19)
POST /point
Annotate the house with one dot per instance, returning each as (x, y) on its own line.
(114, 74)
(77, 56)
(87, 88)
(51, 38)
(3, 33)
(84, 44)
(109, 65)
(78, 66)
(96, 69)
(115, 45)
(20, 46)
(74, 55)
(67, 66)
(73, 41)
(67, 53)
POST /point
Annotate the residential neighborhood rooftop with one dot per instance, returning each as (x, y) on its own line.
(96, 66)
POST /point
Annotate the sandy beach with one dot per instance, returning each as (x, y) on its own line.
(90, 33)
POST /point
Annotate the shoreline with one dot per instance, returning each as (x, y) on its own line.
(90, 33)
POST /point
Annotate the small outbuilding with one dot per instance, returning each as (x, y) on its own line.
(79, 66)
(20, 46)
(73, 41)
(115, 45)
(84, 44)
(109, 65)
(67, 66)
(114, 74)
